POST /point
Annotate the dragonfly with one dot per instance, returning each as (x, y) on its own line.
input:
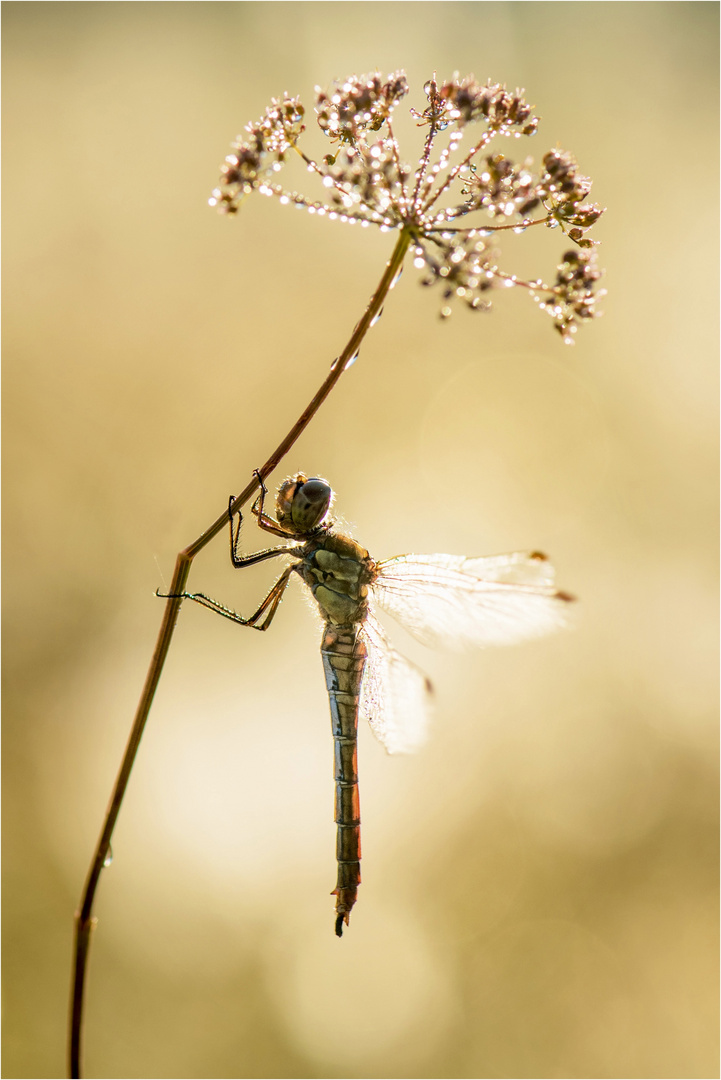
(442, 600)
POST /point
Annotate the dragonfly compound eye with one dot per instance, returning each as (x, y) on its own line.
(286, 494)
(310, 504)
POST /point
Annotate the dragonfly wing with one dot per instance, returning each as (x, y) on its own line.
(395, 694)
(456, 602)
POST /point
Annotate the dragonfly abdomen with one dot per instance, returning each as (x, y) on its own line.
(344, 656)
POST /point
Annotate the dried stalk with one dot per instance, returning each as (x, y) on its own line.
(84, 920)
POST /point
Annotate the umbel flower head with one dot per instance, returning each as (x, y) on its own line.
(458, 175)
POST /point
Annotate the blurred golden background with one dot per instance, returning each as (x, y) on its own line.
(539, 885)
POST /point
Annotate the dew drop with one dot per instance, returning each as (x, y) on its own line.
(396, 279)
(519, 229)
(108, 860)
(351, 362)
(375, 318)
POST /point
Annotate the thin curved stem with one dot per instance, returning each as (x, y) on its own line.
(84, 921)
(526, 223)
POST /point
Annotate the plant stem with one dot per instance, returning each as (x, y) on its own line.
(84, 921)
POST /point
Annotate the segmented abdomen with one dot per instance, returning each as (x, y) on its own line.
(344, 657)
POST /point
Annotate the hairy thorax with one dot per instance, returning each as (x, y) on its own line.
(338, 572)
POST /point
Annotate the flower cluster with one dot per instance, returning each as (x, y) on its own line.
(466, 101)
(572, 296)
(262, 152)
(465, 269)
(562, 190)
(365, 180)
(501, 188)
(504, 189)
(359, 104)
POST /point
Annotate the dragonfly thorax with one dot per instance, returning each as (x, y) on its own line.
(338, 572)
(302, 503)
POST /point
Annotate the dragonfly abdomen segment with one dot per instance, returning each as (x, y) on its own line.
(344, 656)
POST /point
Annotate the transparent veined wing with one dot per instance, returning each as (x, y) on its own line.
(457, 602)
(395, 694)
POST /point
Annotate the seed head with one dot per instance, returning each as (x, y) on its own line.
(262, 152)
(358, 104)
(366, 180)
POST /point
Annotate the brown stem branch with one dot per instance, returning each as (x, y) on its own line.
(470, 230)
(84, 920)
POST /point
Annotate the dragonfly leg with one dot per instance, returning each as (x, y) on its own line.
(264, 522)
(236, 557)
(265, 612)
(259, 504)
(272, 600)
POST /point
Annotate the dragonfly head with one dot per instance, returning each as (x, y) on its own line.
(302, 503)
